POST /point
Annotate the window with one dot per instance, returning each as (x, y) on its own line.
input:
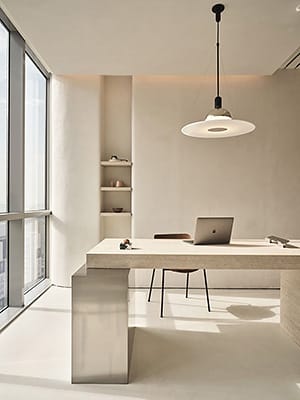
(23, 169)
(4, 49)
(35, 136)
(35, 251)
(35, 173)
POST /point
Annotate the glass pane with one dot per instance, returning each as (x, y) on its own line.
(35, 136)
(4, 43)
(3, 265)
(35, 251)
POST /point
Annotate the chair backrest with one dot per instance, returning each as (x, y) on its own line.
(172, 236)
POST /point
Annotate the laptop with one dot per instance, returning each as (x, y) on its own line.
(212, 230)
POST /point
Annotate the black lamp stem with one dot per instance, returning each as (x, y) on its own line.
(218, 59)
(217, 10)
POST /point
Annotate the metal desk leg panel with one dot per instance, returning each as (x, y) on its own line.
(290, 304)
(100, 326)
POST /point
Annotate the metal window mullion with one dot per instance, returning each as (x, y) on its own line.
(47, 178)
(36, 214)
(13, 216)
(16, 170)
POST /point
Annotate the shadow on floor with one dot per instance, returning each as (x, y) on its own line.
(250, 312)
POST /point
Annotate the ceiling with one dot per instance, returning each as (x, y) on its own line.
(135, 37)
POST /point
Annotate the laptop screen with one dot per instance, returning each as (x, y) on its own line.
(213, 230)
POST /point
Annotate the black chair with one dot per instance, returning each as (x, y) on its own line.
(182, 271)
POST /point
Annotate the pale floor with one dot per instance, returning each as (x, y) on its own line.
(237, 352)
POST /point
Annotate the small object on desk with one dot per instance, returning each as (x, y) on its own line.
(117, 209)
(277, 239)
(290, 246)
(125, 245)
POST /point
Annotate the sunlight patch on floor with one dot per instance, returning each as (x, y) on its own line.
(191, 314)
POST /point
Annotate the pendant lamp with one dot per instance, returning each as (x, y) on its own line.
(218, 122)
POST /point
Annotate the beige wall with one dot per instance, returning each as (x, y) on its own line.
(255, 177)
(116, 138)
(75, 178)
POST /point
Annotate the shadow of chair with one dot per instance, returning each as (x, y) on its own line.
(183, 236)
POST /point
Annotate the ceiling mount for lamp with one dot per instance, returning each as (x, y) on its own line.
(218, 122)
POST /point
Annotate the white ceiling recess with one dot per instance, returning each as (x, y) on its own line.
(132, 37)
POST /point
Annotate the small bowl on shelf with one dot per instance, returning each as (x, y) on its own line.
(117, 209)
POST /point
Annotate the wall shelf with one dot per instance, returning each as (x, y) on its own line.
(116, 143)
(116, 189)
(116, 163)
(114, 214)
(112, 226)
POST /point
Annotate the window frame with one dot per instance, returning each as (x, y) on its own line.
(8, 115)
(7, 25)
(16, 214)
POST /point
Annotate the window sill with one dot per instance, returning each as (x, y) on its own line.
(10, 313)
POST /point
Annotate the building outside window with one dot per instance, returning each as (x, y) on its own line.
(3, 265)
(35, 251)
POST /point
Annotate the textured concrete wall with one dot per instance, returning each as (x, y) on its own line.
(75, 172)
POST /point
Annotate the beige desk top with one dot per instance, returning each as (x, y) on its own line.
(163, 253)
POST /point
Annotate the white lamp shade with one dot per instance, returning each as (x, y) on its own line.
(218, 127)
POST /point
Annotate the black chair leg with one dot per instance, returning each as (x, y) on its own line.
(187, 285)
(162, 294)
(151, 285)
(206, 289)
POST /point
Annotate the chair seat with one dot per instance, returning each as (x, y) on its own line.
(182, 271)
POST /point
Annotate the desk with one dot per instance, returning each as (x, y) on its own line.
(100, 339)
